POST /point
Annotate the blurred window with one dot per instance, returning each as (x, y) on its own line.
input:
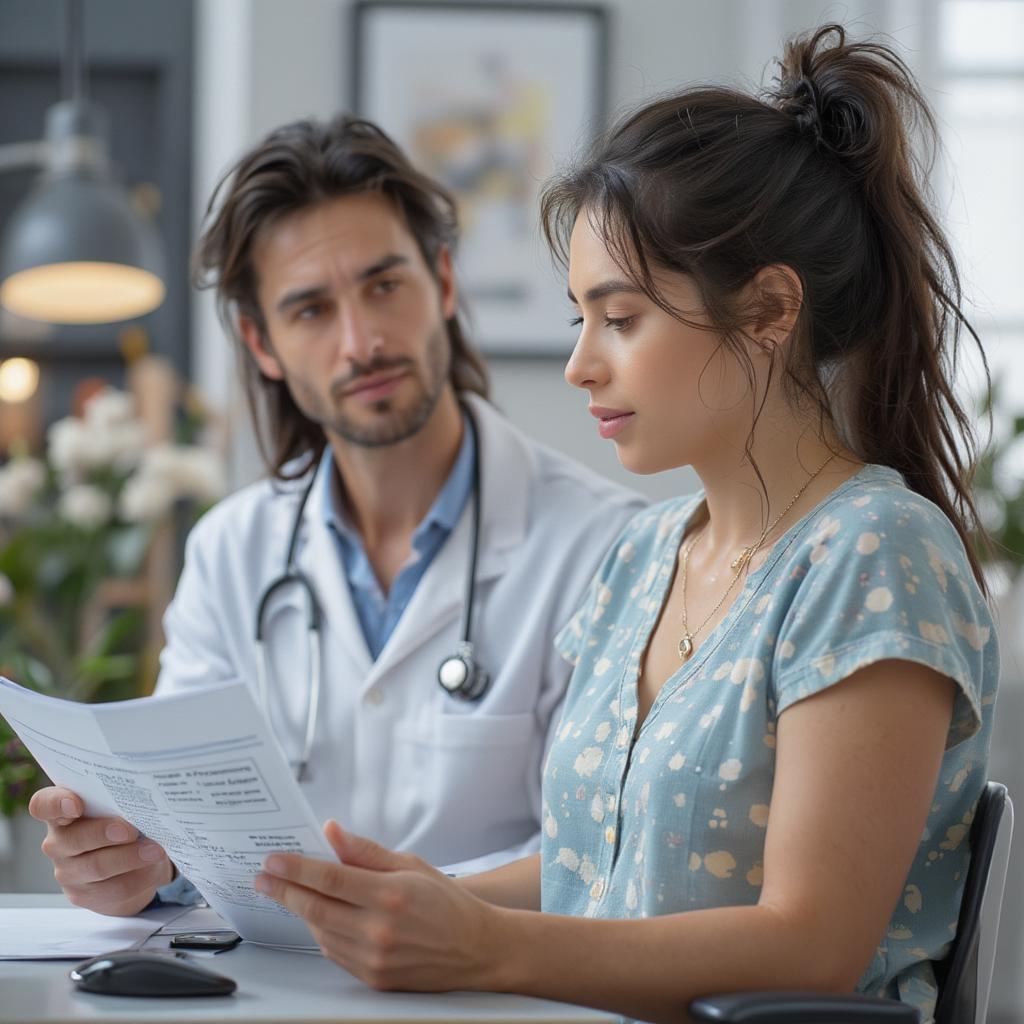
(981, 104)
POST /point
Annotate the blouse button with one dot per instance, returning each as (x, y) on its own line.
(609, 835)
(597, 889)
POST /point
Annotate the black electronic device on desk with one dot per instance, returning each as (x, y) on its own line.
(217, 941)
(137, 972)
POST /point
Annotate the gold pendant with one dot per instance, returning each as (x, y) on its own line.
(742, 558)
(685, 647)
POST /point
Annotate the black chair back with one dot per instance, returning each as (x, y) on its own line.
(958, 973)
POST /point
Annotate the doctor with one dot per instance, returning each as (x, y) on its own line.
(436, 549)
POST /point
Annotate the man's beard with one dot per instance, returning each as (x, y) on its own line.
(392, 424)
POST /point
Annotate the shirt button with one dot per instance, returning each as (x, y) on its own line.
(374, 696)
(609, 835)
(597, 889)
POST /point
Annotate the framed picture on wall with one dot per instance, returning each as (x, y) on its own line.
(490, 99)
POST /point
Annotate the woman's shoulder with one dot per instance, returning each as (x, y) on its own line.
(876, 511)
(879, 572)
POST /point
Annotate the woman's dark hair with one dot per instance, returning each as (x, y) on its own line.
(818, 173)
(297, 166)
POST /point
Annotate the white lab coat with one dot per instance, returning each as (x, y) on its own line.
(395, 758)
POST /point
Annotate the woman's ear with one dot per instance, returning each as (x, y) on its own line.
(775, 298)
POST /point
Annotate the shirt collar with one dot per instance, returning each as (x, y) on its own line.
(443, 513)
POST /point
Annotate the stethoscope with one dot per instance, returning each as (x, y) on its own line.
(458, 675)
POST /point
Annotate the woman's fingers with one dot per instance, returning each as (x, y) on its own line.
(361, 887)
(365, 853)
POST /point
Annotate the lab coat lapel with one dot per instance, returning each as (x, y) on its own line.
(506, 473)
(321, 560)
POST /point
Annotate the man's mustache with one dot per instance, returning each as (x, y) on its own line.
(371, 369)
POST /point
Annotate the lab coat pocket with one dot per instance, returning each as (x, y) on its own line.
(483, 764)
(455, 731)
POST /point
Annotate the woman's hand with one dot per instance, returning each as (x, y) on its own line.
(389, 918)
(103, 864)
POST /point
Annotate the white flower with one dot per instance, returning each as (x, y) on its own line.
(75, 446)
(110, 408)
(118, 444)
(146, 496)
(20, 481)
(68, 446)
(6, 590)
(200, 474)
(86, 506)
(193, 472)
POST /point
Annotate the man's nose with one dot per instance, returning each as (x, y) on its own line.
(358, 336)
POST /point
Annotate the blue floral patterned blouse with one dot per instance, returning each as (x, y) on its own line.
(674, 818)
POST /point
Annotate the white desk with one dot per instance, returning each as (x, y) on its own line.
(272, 986)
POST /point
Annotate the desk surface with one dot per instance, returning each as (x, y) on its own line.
(273, 985)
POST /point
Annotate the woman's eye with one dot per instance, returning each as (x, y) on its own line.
(618, 323)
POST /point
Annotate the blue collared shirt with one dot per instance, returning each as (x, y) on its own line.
(379, 612)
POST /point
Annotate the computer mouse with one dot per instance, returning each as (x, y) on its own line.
(137, 972)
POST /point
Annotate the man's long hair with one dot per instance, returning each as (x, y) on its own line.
(295, 167)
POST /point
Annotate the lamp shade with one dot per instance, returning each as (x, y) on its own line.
(77, 252)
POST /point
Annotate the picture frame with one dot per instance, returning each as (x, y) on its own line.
(490, 98)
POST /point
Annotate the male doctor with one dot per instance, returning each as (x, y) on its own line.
(332, 260)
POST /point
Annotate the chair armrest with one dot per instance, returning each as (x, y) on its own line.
(800, 1008)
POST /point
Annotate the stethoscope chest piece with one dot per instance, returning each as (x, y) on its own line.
(460, 676)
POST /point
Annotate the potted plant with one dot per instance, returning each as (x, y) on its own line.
(71, 522)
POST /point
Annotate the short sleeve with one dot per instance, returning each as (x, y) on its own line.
(885, 576)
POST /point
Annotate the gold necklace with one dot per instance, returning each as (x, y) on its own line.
(738, 564)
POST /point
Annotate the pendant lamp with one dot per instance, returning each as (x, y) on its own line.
(76, 251)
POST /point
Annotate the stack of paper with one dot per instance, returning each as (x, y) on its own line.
(200, 773)
(38, 933)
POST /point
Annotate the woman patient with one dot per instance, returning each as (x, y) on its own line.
(779, 719)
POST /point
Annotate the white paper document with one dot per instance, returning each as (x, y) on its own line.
(200, 773)
(71, 933)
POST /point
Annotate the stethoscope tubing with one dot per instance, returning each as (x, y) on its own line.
(292, 576)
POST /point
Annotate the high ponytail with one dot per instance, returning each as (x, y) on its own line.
(826, 172)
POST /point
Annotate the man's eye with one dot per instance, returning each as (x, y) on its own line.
(385, 286)
(309, 312)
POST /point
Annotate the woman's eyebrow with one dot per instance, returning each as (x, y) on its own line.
(606, 288)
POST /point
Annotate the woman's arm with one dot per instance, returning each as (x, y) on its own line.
(855, 774)
(515, 886)
(856, 770)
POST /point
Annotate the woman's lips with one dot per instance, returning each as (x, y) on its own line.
(611, 422)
